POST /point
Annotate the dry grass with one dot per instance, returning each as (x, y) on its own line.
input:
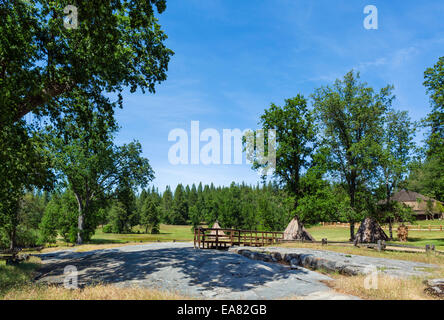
(388, 288)
(98, 292)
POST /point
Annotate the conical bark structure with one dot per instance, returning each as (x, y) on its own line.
(216, 226)
(296, 231)
(370, 232)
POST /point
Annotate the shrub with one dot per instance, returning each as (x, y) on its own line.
(107, 228)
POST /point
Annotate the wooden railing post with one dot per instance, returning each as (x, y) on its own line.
(198, 238)
(217, 238)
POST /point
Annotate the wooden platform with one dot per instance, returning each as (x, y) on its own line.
(209, 238)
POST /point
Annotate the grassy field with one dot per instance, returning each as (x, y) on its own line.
(102, 240)
(12, 277)
(167, 233)
(184, 233)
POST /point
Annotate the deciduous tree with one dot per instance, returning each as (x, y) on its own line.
(351, 117)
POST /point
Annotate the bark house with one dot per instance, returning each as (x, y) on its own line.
(423, 207)
(296, 231)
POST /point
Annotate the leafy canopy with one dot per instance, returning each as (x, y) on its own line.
(117, 44)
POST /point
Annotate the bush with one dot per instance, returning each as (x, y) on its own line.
(155, 230)
(107, 228)
(27, 237)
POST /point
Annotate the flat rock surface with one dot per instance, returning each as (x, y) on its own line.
(360, 264)
(180, 268)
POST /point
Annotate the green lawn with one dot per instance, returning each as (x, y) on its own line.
(184, 233)
(332, 233)
(167, 233)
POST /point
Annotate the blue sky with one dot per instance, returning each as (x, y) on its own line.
(233, 58)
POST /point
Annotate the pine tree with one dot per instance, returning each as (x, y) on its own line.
(150, 218)
(167, 206)
(180, 206)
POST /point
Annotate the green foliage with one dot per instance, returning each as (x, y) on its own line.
(238, 206)
(427, 176)
(116, 44)
(23, 166)
(295, 135)
(129, 217)
(179, 214)
(295, 132)
(96, 170)
(50, 223)
(118, 218)
(167, 205)
(351, 117)
(150, 216)
(60, 218)
(107, 228)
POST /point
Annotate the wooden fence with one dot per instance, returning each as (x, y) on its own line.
(209, 238)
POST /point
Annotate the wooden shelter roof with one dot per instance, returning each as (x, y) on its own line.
(406, 196)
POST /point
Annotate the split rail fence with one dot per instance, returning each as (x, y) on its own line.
(209, 238)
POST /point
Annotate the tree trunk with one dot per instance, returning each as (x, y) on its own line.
(352, 230)
(390, 229)
(80, 228)
(352, 205)
(80, 220)
(13, 236)
(14, 223)
(388, 208)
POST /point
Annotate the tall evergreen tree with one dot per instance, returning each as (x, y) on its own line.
(180, 206)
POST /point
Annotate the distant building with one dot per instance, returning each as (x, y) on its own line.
(417, 202)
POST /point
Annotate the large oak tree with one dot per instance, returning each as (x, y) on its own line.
(117, 44)
(83, 151)
(295, 137)
(351, 118)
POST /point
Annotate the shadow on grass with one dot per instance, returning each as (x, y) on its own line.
(13, 276)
